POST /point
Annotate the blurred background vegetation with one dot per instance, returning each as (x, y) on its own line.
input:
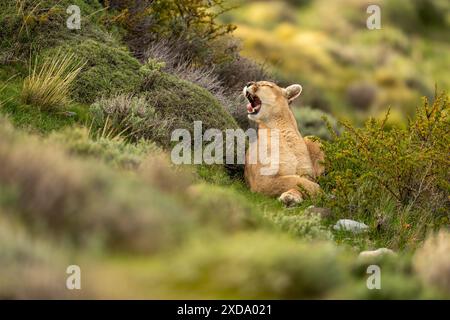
(86, 178)
(345, 68)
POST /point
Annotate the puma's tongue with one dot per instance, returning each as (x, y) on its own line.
(249, 107)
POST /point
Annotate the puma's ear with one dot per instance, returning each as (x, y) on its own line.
(293, 91)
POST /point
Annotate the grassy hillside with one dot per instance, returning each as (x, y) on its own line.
(86, 176)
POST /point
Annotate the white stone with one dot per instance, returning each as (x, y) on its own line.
(376, 253)
(350, 225)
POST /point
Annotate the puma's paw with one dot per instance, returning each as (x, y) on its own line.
(291, 198)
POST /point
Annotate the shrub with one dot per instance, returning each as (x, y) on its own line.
(431, 12)
(85, 202)
(224, 80)
(108, 69)
(130, 117)
(193, 21)
(368, 168)
(258, 266)
(417, 15)
(311, 122)
(166, 103)
(31, 26)
(157, 170)
(49, 85)
(231, 210)
(181, 103)
(116, 152)
(168, 57)
(432, 261)
(236, 72)
(361, 95)
(89, 204)
(199, 50)
(302, 226)
(31, 268)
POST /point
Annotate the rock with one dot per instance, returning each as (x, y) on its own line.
(350, 225)
(376, 253)
(318, 211)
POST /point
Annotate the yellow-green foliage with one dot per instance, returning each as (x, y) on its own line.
(181, 103)
(35, 262)
(370, 167)
(326, 45)
(28, 26)
(258, 265)
(79, 200)
(116, 152)
(410, 164)
(302, 226)
(51, 187)
(192, 22)
(130, 117)
(109, 69)
(165, 104)
(170, 18)
(231, 210)
(432, 261)
(49, 84)
(311, 122)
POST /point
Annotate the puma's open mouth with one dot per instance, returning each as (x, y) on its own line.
(255, 103)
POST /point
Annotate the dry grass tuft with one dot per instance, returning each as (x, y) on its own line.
(48, 85)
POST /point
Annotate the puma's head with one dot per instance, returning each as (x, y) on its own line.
(267, 100)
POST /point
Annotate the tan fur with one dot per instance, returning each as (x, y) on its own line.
(299, 158)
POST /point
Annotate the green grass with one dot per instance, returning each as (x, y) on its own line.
(29, 117)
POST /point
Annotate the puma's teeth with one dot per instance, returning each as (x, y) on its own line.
(254, 103)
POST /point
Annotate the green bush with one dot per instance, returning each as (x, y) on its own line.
(258, 266)
(51, 188)
(225, 80)
(30, 26)
(130, 117)
(165, 103)
(417, 15)
(108, 69)
(116, 152)
(194, 23)
(31, 268)
(231, 211)
(302, 226)
(400, 173)
(84, 202)
(361, 95)
(181, 103)
(311, 122)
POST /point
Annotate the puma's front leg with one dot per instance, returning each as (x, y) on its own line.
(291, 198)
(295, 188)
